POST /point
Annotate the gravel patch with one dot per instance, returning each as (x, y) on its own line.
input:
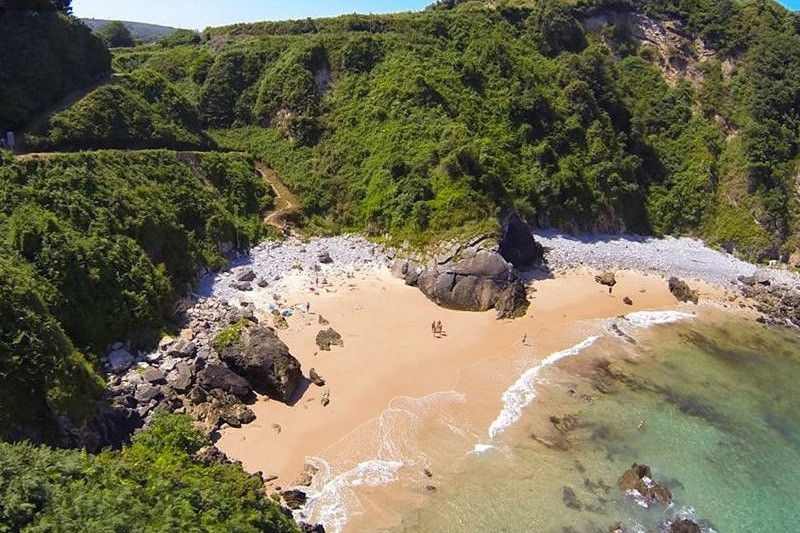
(682, 257)
(282, 265)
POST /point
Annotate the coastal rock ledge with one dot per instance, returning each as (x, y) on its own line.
(478, 275)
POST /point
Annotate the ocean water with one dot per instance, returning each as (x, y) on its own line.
(711, 403)
(720, 401)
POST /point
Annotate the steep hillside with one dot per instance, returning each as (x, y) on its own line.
(94, 247)
(142, 32)
(37, 73)
(665, 116)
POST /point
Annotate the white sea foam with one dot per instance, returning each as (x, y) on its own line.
(522, 393)
(391, 441)
(646, 319)
(479, 449)
(331, 499)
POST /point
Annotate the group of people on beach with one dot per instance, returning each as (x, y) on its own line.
(437, 330)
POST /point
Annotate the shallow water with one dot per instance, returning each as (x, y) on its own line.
(722, 413)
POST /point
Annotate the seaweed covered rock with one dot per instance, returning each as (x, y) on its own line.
(638, 482)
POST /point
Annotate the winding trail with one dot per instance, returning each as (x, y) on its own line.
(287, 206)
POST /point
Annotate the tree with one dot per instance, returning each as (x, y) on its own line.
(117, 35)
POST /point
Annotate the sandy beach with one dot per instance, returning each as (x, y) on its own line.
(389, 353)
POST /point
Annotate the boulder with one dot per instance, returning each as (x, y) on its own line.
(681, 291)
(326, 398)
(219, 376)
(182, 378)
(315, 378)
(517, 245)
(182, 349)
(473, 284)
(244, 275)
(323, 321)
(264, 361)
(120, 360)
(211, 455)
(627, 301)
(243, 286)
(327, 338)
(154, 376)
(607, 278)
(639, 481)
(311, 528)
(146, 392)
(294, 499)
(324, 258)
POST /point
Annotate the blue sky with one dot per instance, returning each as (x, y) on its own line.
(200, 14)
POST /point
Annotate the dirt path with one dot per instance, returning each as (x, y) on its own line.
(287, 206)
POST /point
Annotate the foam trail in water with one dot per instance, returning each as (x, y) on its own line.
(522, 393)
(331, 499)
(645, 319)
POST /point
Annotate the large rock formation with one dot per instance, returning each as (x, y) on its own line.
(478, 275)
(264, 361)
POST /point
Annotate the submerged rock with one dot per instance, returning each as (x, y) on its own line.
(684, 526)
(638, 481)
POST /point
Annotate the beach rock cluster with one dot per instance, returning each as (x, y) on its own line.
(211, 371)
(777, 300)
(478, 275)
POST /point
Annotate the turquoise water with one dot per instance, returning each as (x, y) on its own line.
(722, 413)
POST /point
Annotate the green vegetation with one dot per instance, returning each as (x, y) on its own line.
(153, 485)
(117, 35)
(142, 110)
(230, 336)
(94, 248)
(37, 73)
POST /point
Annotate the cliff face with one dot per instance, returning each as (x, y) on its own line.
(674, 49)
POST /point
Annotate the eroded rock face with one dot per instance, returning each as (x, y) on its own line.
(517, 245)
(264, 361)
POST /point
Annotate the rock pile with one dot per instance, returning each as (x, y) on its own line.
(192, 374)
(779, 301)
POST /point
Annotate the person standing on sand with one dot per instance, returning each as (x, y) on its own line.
(439, 327)
(525, 338)
(433, 329)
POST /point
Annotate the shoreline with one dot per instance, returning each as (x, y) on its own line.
(390, 356)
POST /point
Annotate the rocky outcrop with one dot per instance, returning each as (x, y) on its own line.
(517, 245)
(315, 378)
(472, 284)
(638, 481)
(681, 291)
(294, 499)
(479, 274)
(264, 361)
